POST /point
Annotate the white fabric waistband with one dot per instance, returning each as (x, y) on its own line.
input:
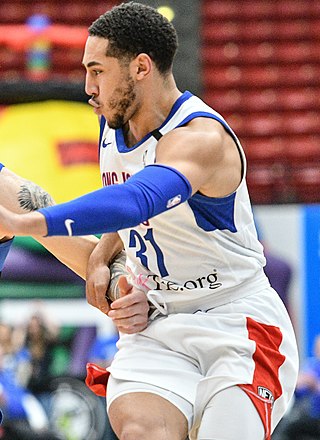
(165, 306)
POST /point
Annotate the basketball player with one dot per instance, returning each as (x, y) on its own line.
(218, 359)
(22, 195)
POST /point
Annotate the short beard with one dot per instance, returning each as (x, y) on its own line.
(121, 105)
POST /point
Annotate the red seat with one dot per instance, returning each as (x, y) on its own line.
(294, 30)
(314, 26)
(303, 151)
(264, 100)
(11, 59)
(307, 98)
(236, 77)
(302, 123)
(299, 75)
(66, 58)
(257, 31)
(261, 185)
(217, 10)
(264, 77)
(224, 101)
(294, 52)
(260, 125)
(223, 32)
(306, 183)
(250, 9)
(294, 8)
(266, 152)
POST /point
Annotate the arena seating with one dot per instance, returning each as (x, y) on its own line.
(69, 20)
(261, 70)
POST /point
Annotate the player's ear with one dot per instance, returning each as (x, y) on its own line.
(142, 65)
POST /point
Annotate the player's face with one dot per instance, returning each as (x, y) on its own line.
(109, 83)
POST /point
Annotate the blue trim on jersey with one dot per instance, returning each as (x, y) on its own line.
(121, 145)
(213, 213)
(4, 250)
(102, 125)
(208, 115)
(182, 99)
(1, 166)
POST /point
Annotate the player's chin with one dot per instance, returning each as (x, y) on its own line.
(98, 111)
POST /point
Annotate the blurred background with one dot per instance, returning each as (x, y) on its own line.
(257, 62)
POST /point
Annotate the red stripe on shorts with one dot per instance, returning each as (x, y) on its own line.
(265, 387)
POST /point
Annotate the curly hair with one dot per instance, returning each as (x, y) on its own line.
(132, 28)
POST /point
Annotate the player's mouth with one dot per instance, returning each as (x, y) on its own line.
(94, 103)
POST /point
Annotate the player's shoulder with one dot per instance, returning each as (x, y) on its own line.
(198, 131)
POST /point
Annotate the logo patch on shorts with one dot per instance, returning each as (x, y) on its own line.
(266, 394)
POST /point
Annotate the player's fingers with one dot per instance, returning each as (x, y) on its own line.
(135, 297)
(124, 286)
(139, 309)
(132, 325)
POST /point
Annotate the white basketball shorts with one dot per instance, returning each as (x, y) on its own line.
(188, 358)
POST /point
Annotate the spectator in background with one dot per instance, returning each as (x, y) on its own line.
(305, 421)
(40, 338)
(24, 416)
(102, 353)
(14, 357)
(104, 347)
(279, 273)
(277, 269)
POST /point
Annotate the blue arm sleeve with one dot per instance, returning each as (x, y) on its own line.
(1, 166)
(4, 250)
(146, 194)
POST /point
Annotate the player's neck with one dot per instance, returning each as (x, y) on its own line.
(153, 111)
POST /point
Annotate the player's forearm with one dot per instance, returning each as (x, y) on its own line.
(21, 196)
(109, 246)
(74, 252)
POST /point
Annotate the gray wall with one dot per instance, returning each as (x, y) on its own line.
(187, 24)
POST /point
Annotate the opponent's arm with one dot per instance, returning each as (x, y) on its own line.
(87, 256)
(20, 196)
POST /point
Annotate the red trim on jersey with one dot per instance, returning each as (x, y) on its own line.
(265, 387)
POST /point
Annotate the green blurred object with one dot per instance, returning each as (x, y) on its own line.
(30, 244)
(22, 290)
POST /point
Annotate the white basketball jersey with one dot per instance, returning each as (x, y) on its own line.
(204, 251)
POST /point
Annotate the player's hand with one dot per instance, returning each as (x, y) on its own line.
(5, 238)
(96, 287)
(130, 312)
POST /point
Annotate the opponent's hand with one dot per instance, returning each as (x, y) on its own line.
(129, 313)
(97, 286)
